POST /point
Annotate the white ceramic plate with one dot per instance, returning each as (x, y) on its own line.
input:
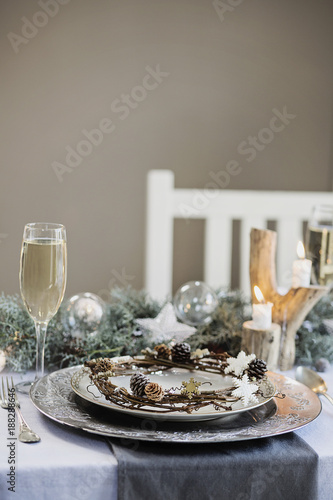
(82, 386)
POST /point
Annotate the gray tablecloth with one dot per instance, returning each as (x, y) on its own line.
(279, 468)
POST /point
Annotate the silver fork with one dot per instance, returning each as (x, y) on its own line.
(9, 401)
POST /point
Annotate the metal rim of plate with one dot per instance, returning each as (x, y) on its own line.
(53, 396)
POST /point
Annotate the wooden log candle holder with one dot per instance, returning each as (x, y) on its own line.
(289, 310)
(264, 343)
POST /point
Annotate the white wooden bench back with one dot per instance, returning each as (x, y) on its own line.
(220, 208)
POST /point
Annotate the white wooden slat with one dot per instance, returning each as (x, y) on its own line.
(289, 233)
(165, 203)
(159, 234)
(237, 203)
(247, 224)
(218, 252)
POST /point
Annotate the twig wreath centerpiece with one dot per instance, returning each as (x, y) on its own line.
(248, 381)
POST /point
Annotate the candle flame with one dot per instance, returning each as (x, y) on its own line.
(259, 296)
(300, 250)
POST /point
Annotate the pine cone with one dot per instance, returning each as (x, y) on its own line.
(138, 383)
(181, 352)
(163, 351)
(256, 369)
(154, 391)
(103, 365)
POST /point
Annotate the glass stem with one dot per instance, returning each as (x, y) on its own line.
(41, 327)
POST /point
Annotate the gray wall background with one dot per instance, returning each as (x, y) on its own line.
(227, 70)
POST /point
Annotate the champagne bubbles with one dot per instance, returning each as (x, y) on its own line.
(195, 303)
(84, 314)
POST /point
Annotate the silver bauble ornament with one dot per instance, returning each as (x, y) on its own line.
(84, 314)
(195, 303)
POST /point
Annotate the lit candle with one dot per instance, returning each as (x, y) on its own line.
(301, 268)
(262, 312)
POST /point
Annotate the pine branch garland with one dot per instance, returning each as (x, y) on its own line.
(224, 331)
(314, 340)
(118, 333)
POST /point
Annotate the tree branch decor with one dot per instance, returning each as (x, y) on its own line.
(289, 310)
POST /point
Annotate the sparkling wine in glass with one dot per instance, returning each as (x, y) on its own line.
(43, 272)
(319, 245)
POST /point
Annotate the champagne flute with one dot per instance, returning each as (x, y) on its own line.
(319, 244)
(43, 272)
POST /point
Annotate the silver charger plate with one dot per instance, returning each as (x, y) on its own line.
(53, 396)
(81, 384)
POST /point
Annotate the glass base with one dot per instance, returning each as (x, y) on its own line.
(24, 387)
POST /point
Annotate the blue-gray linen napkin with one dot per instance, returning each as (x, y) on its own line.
(276, 468)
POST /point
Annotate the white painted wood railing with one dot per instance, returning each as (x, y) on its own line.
(219, 208)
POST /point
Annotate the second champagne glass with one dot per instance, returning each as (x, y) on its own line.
(319, 245)
(43, 272)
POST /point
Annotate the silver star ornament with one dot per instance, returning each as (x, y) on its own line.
(165, 327)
